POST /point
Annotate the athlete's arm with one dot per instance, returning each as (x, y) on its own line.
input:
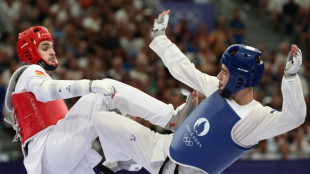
(265, 122)
(46, 89)
(178, 64)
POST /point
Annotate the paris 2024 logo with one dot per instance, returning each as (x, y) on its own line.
(200, 128)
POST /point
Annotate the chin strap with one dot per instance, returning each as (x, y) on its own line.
(226, 93)
(46, 66)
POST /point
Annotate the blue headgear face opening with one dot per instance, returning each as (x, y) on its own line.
(245, 67)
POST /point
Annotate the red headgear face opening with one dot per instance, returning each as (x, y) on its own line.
(27, 44)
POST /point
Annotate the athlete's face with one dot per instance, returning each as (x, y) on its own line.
(223, 76)
(46, 50)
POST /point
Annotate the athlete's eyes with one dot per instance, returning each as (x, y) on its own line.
(45, 48)
(223, 72)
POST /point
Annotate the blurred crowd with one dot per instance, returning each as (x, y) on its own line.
(109, 39)
(291, 18)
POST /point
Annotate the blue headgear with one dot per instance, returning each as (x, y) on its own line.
(245, 68)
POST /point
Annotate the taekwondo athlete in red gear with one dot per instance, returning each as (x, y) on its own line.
(55, 141)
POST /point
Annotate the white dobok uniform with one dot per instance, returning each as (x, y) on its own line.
(66, 147)
(150, 149)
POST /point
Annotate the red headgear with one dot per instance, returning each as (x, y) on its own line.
(27, 44)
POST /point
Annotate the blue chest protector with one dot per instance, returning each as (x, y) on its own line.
(204, 139)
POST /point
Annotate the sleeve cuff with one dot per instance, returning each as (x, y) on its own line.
(291, 78)
(155, 42)
(84, 86)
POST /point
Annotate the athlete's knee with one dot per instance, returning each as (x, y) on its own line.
(103, 119)
(98, 118)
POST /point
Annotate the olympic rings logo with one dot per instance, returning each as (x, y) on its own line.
(187, 140)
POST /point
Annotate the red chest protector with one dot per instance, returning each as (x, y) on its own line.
(33, 116)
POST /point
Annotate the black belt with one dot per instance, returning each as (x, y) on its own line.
(103, 168)
(176, 171)
(26, 148)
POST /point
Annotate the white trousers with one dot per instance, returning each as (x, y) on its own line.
(68, 143)
(123, 139)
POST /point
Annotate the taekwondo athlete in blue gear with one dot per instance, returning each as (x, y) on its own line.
(221, 128)
(230, 121)
(207, 131)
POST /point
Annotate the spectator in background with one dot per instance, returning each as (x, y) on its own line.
(261, 152)
(299, 147)
(236, 28)
(181, 32)
(219, 37)
(280, 58)
(116, 71)
(274, 9)
(290, 11)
